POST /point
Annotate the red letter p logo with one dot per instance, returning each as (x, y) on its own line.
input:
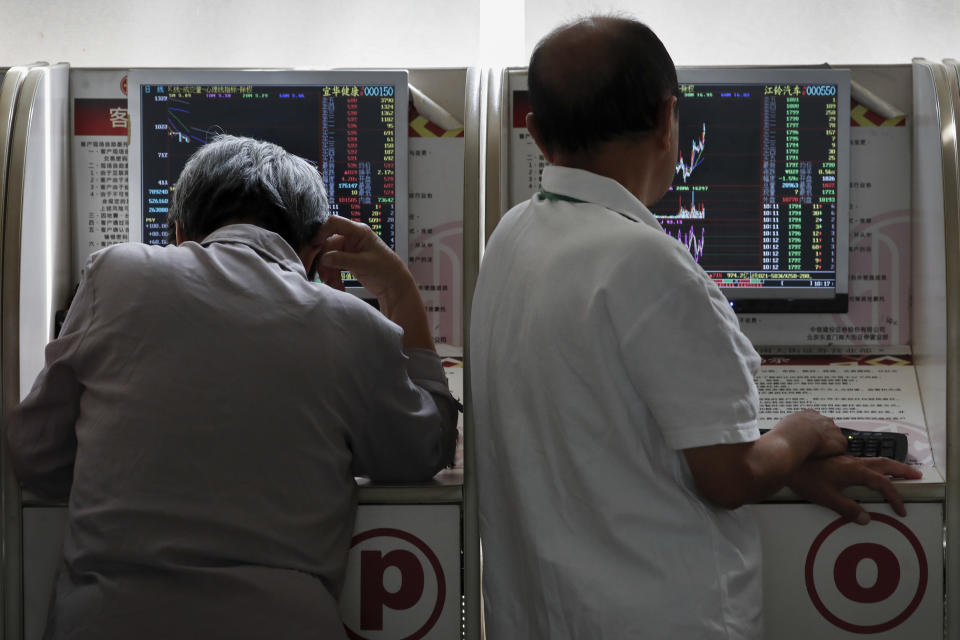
(375, 596)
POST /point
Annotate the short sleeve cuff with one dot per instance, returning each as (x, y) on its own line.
(426, 371)
(425, 368)
(700, 437)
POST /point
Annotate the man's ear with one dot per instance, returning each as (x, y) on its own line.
(309, 256)
(666, 121)
(312, 250)
(178, 232)
(533, 126)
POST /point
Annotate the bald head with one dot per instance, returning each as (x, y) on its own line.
(598, 79)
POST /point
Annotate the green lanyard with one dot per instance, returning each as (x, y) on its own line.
(556, 197)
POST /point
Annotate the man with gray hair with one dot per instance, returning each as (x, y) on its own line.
(207, 406)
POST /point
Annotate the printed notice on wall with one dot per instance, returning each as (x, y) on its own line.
(872, 393)
(436, 228)
(99, 153)
(526, 161)
(436, 241)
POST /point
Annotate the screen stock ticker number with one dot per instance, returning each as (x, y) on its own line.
(347, 132)
(755, 193)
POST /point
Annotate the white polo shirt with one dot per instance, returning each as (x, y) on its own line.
(599, 350)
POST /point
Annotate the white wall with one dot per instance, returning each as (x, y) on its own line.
(265, 33)
(423, 33)
(743, 32)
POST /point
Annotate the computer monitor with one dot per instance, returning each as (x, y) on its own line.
(351, 125)
(760, 195)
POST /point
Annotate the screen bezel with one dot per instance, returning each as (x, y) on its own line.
(258, 77)
(813, 299)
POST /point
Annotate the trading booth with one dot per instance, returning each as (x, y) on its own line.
(88, 158)
(823, 202)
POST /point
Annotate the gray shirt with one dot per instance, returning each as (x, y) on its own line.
(206, 408)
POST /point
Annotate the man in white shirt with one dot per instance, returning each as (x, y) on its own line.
(613, 391)
(207, 406)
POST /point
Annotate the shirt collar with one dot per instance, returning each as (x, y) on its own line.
(267, 244)
(596, 189)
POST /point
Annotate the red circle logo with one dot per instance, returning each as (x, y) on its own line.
(123, 85)
(885, 584)
(375, 596)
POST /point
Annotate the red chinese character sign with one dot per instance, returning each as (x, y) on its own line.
(403, 576)
(826, 578)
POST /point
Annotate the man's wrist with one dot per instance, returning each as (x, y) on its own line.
(402, 304)
(401, 290)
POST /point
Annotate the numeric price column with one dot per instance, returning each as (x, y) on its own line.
(352, 152)
(328, 149)
(388, 199)
(771, 205)
(791, 178)
(828, 192)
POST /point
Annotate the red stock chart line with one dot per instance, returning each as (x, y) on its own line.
(685, 169)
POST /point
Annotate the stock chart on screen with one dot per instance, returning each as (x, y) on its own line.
(759, 194)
